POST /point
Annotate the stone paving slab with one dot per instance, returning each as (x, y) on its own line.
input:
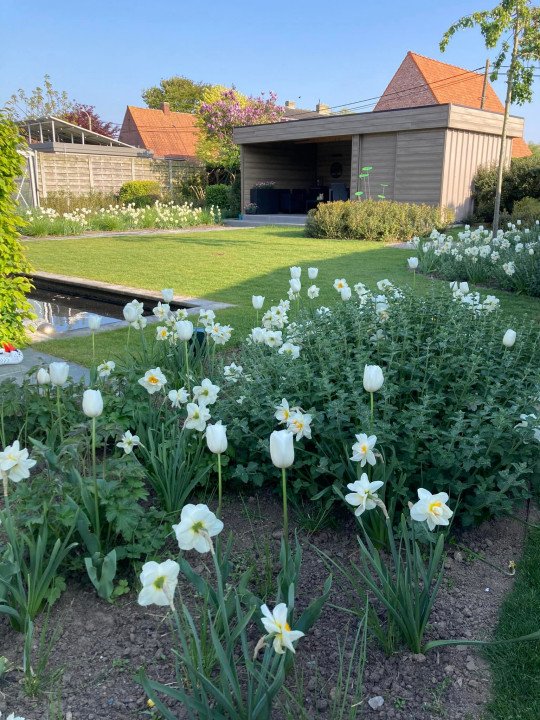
(34, 357)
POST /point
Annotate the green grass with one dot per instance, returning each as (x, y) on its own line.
(229, 267)
(516, 668)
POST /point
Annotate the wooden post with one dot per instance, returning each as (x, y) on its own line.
(484, 87)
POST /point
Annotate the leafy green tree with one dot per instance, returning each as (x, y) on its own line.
(42, 101)
(14, 307)
(182, 94)
(513, 27)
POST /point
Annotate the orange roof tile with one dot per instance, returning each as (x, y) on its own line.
(452, 84)
(166, 133)
(520, 148)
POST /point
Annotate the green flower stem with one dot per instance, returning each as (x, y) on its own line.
(186, 357)
(94, 475)
(5, 484)
(372, 412)
(285, 508)
(220, 486)
(129, 335)
(93, 348)
(59, 413)
(257, 317)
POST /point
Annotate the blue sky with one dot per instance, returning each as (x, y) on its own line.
(105, 53)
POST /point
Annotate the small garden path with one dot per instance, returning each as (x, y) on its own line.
(138, 233)
(34, 357)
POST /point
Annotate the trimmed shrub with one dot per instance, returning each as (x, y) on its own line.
(235, 199)
(521, 180)
(375, 220)
(139, 193)
(527, 210)
(218, 196)
(13, 287)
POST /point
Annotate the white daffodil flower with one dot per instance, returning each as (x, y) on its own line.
(283, 411)
(197, 417)
(299, 424)
(153, 380)
(162, 310)
(128, 442)
(313, 292)
(178, 397)
(106, 368)
(363, 495)
(431, 509)
(16, 463)
(162, 332)
(206, 393)
(197, 526)
(276, 625)
(159, 581)
(339, 284)
(363, 449)
(292, 351)
(273, 338)
(206, 317)
(233, 372)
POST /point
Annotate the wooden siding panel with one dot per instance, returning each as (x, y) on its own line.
(379, 152)
(465, 153)
(419, 163)
(330, 152)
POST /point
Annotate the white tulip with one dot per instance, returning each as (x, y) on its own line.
(412, 262)
(58, 372)
(216, 438)
(257, 301)
(43, 377)
(509, 338)
(94, 322)
(159, 581)
(167, 294)
(132, 311)
(312, 273)
(295, 284)
(373, 378)
(282, 448)
(346, 293)
(92, 403)
(184, 330)
(296, 272)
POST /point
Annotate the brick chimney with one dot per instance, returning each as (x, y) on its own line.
(322, 109)
(291, 104)
(165, 107)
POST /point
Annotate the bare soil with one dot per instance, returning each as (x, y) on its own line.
(101, 646)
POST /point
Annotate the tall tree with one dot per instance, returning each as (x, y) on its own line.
(86, 116)
(182, 94)
(519, 22)
(221, 111)
(43, 100)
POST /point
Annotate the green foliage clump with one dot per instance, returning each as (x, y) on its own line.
(520, 180)
(139, 193)
(218, 196)
(14, 307)
(445, 417)
(64, 202)
(375, 220)
(527, 210)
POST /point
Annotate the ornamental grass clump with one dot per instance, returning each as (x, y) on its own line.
(510, 260)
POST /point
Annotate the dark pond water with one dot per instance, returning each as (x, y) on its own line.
(58, 313)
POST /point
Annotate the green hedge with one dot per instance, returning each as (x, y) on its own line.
(375, 220)
(140, 193)
(218, 196)
(521, 180)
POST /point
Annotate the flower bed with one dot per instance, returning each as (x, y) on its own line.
(161, 216)
(511, 260)
(360, 414)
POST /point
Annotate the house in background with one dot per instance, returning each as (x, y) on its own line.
(168, 134)
(424, 143)
(421, 81)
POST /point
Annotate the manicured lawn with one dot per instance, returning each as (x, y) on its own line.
(228, 267)
(516, 668)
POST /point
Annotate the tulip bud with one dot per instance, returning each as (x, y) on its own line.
(184, 329)
(58, 372)
(296, 272)
(131, 313)
(295, 284)
(94, 322)
(258, 301)
(373, 378)
(282, 448)
(412, 262)
(43, 377)
(167, 294)
(312, 273)
(92, 403)
(216, 438)
(346, 293)
(509, 338)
